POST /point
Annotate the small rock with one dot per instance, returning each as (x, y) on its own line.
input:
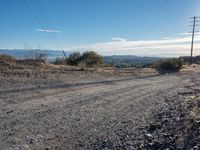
(8, 112)
(177, 119)
(153, 127)
(164, 121)
(182, 115)
(47, 148)
(154, 145)
(30, 140)
(198, 103)
(148, 136)
(197, 123)
(195, 148)
(165, 135)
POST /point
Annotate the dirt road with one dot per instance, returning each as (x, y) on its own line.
(87, 114)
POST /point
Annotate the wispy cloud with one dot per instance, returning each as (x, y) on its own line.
(50, 31)
(117, 39)
(187, 34)
(166, 47)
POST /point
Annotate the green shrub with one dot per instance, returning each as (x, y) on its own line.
(172, 64)
(74, 59)
(88, 58)
(91, 59)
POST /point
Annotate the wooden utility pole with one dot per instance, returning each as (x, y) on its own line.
(64, 54)
(193, 34)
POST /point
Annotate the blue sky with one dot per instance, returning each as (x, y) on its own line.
(136, 27)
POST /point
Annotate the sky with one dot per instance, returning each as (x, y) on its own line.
(110, 27)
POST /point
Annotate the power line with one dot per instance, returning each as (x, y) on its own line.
(154, 13)
(46, 21)
(193, 35)
(166, 3)
(173, 6)
(48, 24)
(42, 20)
(39, 21)
(169, 5)
(185, 9)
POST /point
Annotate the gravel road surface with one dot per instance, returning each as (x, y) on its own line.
(85, 114)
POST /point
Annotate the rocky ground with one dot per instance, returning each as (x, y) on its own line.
(176, 126)
(56, 107)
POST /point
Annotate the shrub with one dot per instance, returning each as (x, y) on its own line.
(6, 58)
(88, 58)
(91, 59)
(74, 59)
(172, 64)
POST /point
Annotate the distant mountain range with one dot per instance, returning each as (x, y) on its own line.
(20, 53)
(116, 60)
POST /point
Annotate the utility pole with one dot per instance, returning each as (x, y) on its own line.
(64, 54)
(193, 35)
